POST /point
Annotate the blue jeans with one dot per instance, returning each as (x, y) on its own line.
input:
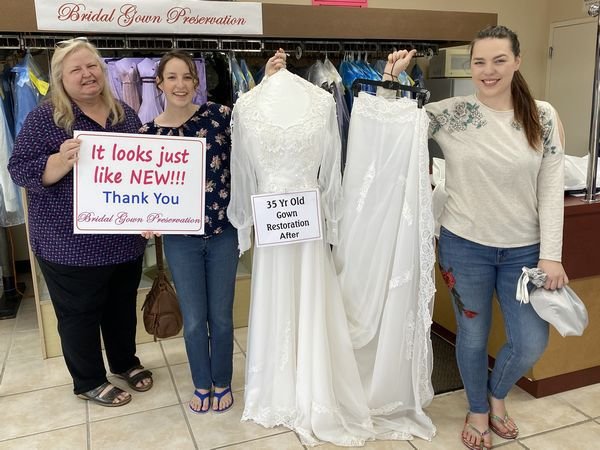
(204, 273)
(472, 272)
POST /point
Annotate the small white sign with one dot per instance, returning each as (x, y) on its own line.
(287, 218)
(150, 16)
(129, 183)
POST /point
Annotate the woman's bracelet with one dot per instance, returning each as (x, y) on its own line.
(391, 75)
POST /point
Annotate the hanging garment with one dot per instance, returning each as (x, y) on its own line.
(247, 74)
(130, 80)
(7, 98)
(201, 93)
(300, 369)
(25, 95)
(113, 77)
(218, 78)
(385, 261)
(325, 75)
(11, 209)
(151, 105)
(240, 85)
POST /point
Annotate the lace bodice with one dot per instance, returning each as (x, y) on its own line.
(284, 144)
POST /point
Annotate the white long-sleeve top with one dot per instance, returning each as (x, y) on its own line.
(501, 192)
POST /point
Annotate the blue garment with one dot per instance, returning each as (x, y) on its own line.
(472, 272)
(240, 85)
(204, 273)
(26, 96)
(247, 74)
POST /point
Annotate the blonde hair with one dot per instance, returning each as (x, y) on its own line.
(63, 111)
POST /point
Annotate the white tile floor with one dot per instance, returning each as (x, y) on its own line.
(39, 411)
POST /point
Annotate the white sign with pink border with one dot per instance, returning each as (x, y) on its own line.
(129, 183)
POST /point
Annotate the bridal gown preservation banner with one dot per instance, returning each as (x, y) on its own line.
(384, 260)
(300, 367)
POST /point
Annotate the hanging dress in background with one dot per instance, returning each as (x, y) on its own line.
(201, 92)
(151, 104)
(113, 77)
(385, 262)
(130, 80)
(11, 208)
(300, 367)
(26, 96)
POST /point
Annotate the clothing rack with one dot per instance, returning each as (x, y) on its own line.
(422, 95)
(33, 41)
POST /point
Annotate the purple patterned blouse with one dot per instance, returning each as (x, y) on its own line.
(51, 207)
(211, 121)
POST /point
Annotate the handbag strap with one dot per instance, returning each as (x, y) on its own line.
(159, 253)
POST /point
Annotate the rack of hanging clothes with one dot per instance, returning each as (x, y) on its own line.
(22, 86)
(227, 66)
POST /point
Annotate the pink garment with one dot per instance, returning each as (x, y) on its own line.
(151, 105)
(130, 80)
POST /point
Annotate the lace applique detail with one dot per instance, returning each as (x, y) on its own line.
(422, 339)
(400, 280)
(382, 110)
(273, 417)
(366, 184)
(386, 409)
(254, 369)
(284, 359)
(278, 145)
(409, 337)
(407, 214)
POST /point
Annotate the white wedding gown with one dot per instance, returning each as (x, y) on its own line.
(385, 261)
(300, 368)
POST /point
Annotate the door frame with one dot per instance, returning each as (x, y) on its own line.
(553, 26)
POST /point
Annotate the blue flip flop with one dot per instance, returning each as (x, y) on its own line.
(202, 397)
(219, 396)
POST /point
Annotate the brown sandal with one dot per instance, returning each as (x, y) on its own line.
(107, 399)
(481, 434)
(510, 434)
(133, 380)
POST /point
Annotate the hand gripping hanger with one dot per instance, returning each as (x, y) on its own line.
(422, 95)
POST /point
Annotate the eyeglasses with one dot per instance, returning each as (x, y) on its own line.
(61, 44)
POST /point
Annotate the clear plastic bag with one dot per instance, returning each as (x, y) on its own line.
(562, 308)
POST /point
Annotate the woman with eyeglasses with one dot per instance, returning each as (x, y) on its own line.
(92, 278)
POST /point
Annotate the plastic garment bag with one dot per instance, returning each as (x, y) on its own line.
(561, 308)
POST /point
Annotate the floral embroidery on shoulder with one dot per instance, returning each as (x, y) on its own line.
(547, 125)
(463, 115)
(516, 125)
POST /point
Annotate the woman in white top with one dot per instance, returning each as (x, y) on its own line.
(504, 179)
